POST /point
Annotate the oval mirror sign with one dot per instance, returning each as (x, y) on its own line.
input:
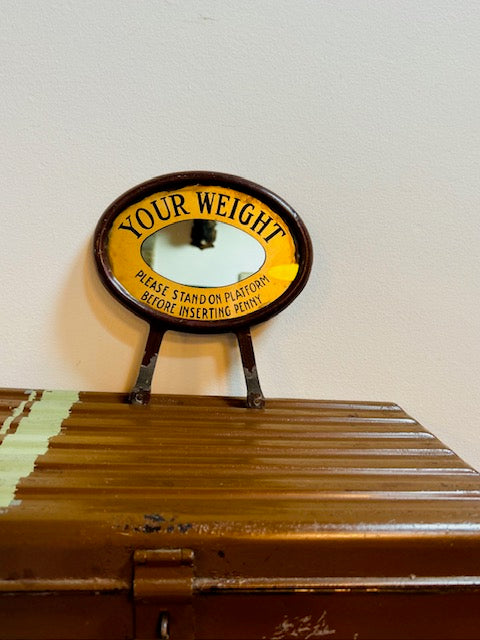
(202, 251)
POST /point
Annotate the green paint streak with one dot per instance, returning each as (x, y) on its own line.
(19, 450)
(16, 412)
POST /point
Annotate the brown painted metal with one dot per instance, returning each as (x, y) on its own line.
(255, 397)
(142, 390)
(201, 519)
(163, 593)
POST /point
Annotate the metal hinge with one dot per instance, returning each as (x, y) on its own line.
(163, 589)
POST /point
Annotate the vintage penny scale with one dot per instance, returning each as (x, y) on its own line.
(143, 516)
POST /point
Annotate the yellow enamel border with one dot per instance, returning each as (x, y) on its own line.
(159, 210)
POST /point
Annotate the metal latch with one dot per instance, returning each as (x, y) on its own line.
(162, 589)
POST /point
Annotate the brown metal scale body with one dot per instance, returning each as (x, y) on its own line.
(200, 518)
(231, 523)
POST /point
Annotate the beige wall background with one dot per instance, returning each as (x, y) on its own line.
(364, 116)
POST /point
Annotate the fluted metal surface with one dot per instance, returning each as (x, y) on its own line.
(295, 504)
(186, 448)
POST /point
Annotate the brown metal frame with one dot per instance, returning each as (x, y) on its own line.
(160, 322)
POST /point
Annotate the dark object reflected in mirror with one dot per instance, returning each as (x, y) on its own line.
(204, 233)
(234, 256)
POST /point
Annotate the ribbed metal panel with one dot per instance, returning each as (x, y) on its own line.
(295, 504)
(183, 448)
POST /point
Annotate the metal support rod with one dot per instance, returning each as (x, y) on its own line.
(255, 397)
(141, 391)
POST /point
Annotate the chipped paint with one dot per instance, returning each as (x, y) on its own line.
(302, 628)
(20, 450)
(17, 412)
(159, 524)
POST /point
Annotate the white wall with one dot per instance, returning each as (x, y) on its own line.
(362, 115)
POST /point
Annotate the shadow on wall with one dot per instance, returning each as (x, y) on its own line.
(104, 343)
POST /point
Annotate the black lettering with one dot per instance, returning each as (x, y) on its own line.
(264, 223)
(206, 202)
(139, 220)
(221, 204)
(129, 227)
(274, 233)
(231, 215)
(178, 201)
(164, 200)
(240, 293)
(158, 212)
(243, 216)
(214, 298)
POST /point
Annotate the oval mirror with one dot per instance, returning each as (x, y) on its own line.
(200, 254)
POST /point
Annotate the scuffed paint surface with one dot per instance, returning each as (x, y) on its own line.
(19, 450)
(17, 412)
(302, 627)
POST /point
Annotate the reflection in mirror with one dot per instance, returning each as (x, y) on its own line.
(228, 256)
